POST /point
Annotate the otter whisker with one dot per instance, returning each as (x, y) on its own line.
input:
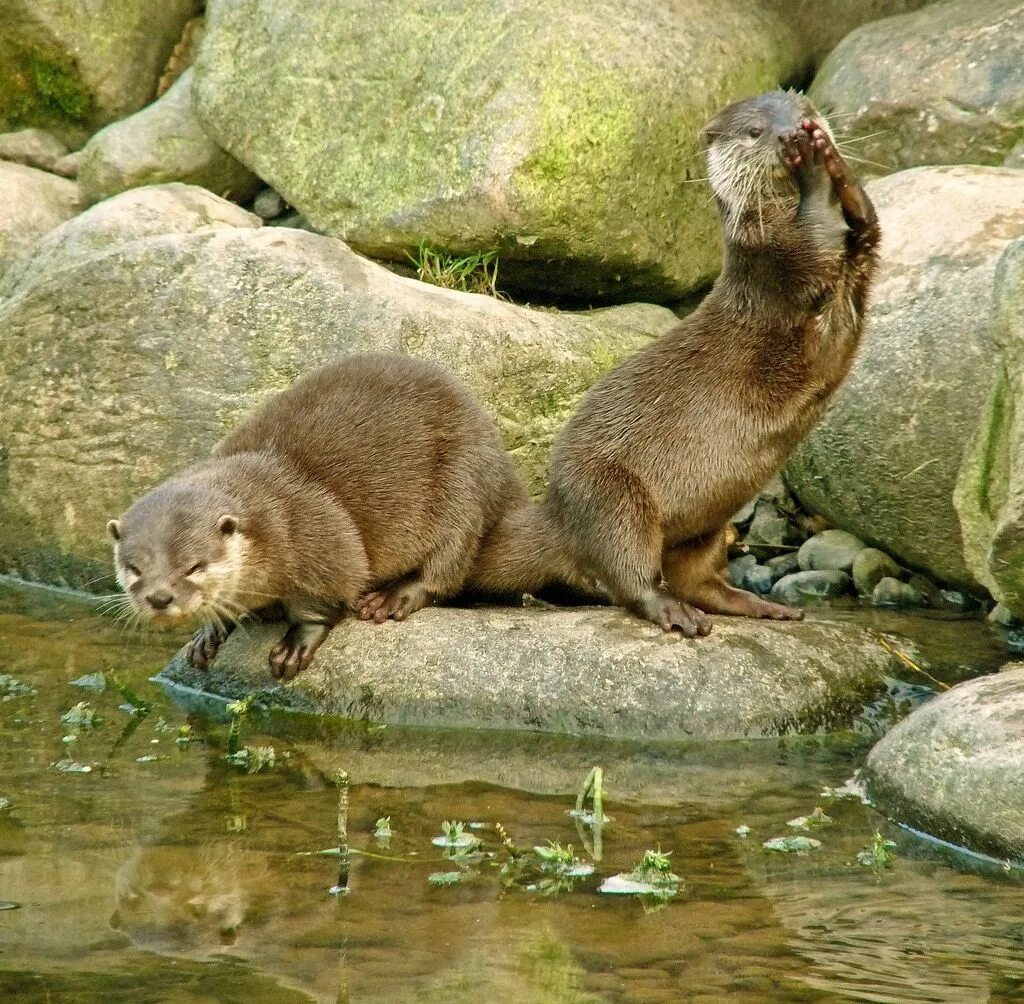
(863, 160)
(861, 139)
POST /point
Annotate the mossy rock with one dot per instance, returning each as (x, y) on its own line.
(559, 134)
(139, 332)
(990, 491)
(72, 68)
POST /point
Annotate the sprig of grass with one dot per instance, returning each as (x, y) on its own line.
(472, 273)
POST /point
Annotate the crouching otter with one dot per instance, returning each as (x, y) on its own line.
(367, 485)
(668, 445)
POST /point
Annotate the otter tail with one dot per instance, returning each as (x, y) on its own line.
(523, 553)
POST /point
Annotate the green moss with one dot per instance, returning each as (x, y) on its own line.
(57, 83)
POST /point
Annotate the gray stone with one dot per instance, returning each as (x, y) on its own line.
(809, 588)
(1005, 617)
(163, 142)
(67, 167)
(870, 566)
(783, 564)
(830, 550)
(32, 147)
(944, 85)
(71, 68)
(760, 580)
(930, 593)
(595, 671)
(953, 599)
(559, 136)
(953, 768)
(739, 567)
(990, 492)
(268, 204)
(884, 461)
(159, 317)
(768, 526)
(34, 202)
(891, 592)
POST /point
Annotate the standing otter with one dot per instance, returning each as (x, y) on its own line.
(367, 485)
(669, 444)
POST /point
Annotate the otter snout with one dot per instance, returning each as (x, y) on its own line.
(161, 599)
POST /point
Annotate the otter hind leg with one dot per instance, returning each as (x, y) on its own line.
(694, 571)
(615, 532)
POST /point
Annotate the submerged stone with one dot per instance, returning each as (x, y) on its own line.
(810, 587)
(890, 592)
(595, 671)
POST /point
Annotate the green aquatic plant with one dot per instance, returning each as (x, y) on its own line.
(472, 273)
(446, 878)
(453, 834)
(253, 758)
(134, 704)
(652, 879)
(879, 854)
(91, 681)
(814, 820)
(382, 831)
(791, 845)
(237, 710)
(547, 870)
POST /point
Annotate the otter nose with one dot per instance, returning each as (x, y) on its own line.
(160, 600)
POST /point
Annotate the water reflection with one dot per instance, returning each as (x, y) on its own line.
(180, 879)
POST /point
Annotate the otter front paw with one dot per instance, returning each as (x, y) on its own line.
(396, 601)
(204, 645)
(295, 651)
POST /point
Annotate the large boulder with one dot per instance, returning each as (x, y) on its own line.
(163, 142)
(72, 67)
(596, 671)
(34, 202)
(559, 134)
(990, 493)
(943, 85)
(884, 461)
(139, 332)
(953, 768)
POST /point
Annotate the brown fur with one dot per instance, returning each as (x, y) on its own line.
(665, 448)
(367, 485)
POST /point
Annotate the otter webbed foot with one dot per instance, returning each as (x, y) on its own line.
(204, 644)
(396, 601)
(295, 651)
(668, 613)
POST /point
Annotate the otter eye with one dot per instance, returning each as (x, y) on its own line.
(199, 566)
(132, 570)
(755, 132)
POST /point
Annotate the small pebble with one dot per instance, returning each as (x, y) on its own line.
(870, 566)
(738, 569)
(810, 587)
(268, 205)
(783, 564)
(759, 580)
(830, 550)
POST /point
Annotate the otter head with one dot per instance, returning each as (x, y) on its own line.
(746, 164)
(179, 552)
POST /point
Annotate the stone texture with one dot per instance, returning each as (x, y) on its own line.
(34, 202)
(830, 550)
(870, 566)
(163, 142)
(33, 148)
(560, 136)
(143, 329)
(783, 564)
(990, 492)
(890, 592)
(884, 461)
(943, 85)
(953, 768)
(71, 68)
(596, 671)
(810, 587)
(268, 204)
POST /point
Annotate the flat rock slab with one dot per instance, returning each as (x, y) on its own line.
(595, 671)
(955, 767)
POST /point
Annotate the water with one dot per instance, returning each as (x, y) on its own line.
(180, 878)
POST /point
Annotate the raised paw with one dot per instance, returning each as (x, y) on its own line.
(295, 651)
(825, 152)
(204, 644)
(396, 602)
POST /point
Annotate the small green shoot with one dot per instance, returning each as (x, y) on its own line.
(547, 870)
(814, 820)
(253, 758)
(134, 704)
(81, 716)
(382, 831)
(453, 834)
(879, 854)
(184, 736)
(791, 845)
(472, 273)
(237, 710)
(652, 877)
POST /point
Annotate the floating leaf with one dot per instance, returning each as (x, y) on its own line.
(816, 818)
(743, 831)
(81, 716)
(91, 681)
(445, 878)
(878, 854)
(71, 767)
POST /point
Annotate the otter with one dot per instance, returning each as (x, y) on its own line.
(669, 444)
(367, 485)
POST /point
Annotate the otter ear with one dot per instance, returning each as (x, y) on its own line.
(114, 529)
(227, 525)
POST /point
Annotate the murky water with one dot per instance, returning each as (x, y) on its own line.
(165, 873)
